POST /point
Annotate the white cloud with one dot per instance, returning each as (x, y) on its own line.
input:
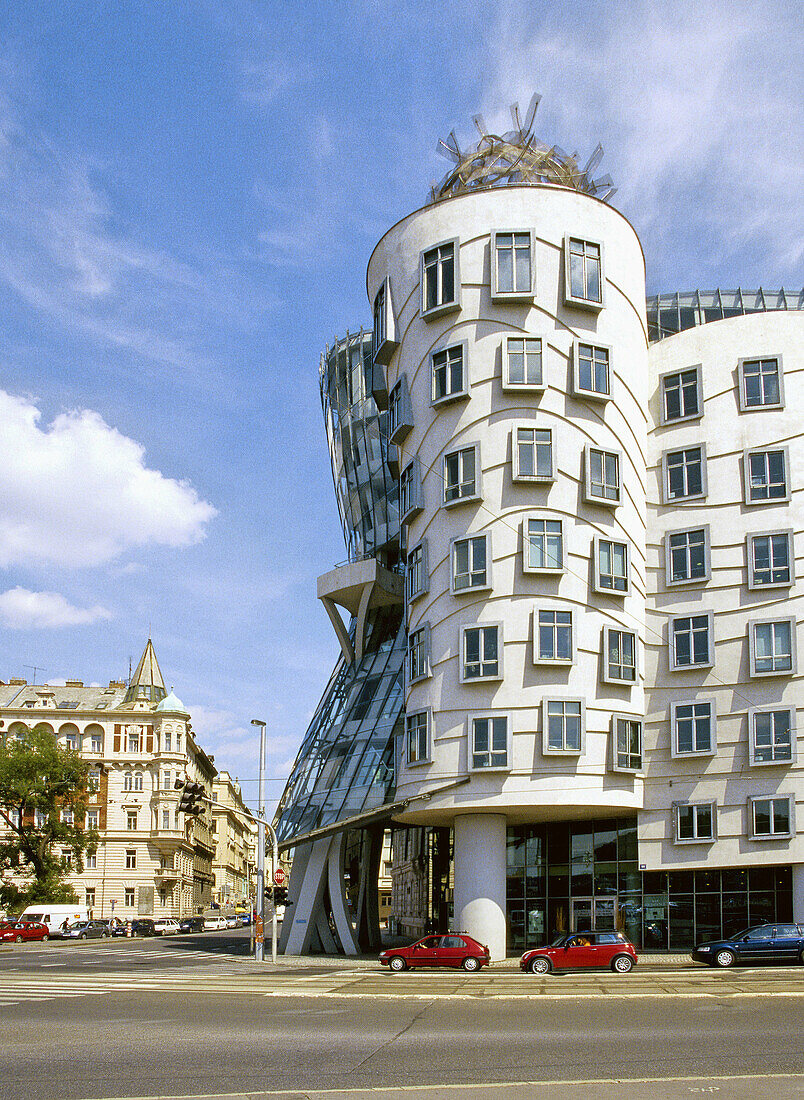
(79, 493)
(21, 609)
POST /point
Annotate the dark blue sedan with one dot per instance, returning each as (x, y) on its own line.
(768, 943)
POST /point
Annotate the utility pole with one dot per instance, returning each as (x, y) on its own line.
(259, 922)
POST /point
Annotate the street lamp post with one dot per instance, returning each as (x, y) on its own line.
(259, 940)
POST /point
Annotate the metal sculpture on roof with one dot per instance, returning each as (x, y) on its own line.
(516, 157)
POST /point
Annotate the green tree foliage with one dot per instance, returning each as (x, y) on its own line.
(42, 783)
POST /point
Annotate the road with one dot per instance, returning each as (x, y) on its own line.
(195, 1017)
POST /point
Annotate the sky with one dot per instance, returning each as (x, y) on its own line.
(190, 191)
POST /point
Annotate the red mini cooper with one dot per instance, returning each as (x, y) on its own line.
(455, 949)
(582, 950)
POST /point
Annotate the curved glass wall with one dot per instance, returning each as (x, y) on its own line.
(672, 313)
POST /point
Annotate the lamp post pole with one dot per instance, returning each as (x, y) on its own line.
(259, 934)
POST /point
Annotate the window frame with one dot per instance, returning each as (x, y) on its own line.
(427, 713)
(383, 349)
(561, 662)
(571, 299)
(750, 538)
(790, 620)
(424, 630)
(452, 395)
(412, 471)
(742, 396)
(131, 859)
(764, 501)
(469, 537)
(517, 295)
(540, 517)
(507, 384)
(467, 497)
(589, 496)
(771, 708)
(563, 751)
(694, 806)
(441, 307)
(771, 799)
(424, 570)
(400, 410)
(666, 498)
(488, 716)
(578, 390)
(606, 676)
(616, 766)
(699, 700)
(668, 556)
(516, 474)
(481, 626)
(597, 541)
(668, 421)
(710, 639)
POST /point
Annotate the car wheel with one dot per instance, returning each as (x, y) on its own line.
(398, 964)
(724, 958)
(82, 936)
(539, 965)
(45, 939)
(801, 957)
(18, 939)
(470, 963)
(622, 964)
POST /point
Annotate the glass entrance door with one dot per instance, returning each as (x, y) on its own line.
(583, 912)
(594, 914)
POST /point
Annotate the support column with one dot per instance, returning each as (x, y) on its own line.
(480, 879)
(798, 892)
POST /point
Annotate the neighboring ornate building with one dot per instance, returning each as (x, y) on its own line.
(234, 834)
(151, 860)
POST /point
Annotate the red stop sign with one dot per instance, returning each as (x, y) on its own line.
(279, 877)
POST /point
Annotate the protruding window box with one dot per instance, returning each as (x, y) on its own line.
(411, 495)
(440, 274)
(385, 341)
(583, 274)
(400, 412)
(563, 727)
(512, 267)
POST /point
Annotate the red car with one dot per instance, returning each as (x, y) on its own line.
(18, 931)
(455, 949)
(582, 950)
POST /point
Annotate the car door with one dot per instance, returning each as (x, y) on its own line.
(453, 950)
(426, 952)
(756, 945)
(577, 952)
(785, 943)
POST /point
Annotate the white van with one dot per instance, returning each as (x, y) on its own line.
(54, 916)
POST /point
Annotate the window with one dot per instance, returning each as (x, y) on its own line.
(91, 862)
(522, 363)
(619, 656)
(770, 817)
(411, 498)
(400, 415)
(417, 737)
(166, 783)
(684, 473)
(592, 371)
(766, 476)
(128, 782)
(131, 859)
(67, 857)
(449, 373)
(89, 897)
(687, 556)
(533, 454)
(490, 742)
(583, 277)
(128, 897)
(693, 727)
(471, 562)
(602, 476)
(384, 342)
(133, 742)
(131, 821)
(166, 819)
(40, 819)
(482, 653)
(627, 743)
(543, 545)
(563, 726)
(178, 742)
(770, 561)
(93, 782)
(440, 279)
(66, 816)
(419, 653)
(92, 819)
(760, 384)
(695, 821)
(553, 636)
(137, 781)
(71, 741)
(681, 395)
(461, 475)
(611, 559)
(96, 743)
(691, 641)
(772, 647)
(771, 736)
(513, 268)
(416, 576)
(167, 741)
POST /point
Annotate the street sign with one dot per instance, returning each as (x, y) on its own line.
(279, 877)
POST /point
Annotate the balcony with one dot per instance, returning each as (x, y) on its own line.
(358, 587)
(166, 874)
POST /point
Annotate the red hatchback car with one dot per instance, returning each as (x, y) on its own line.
(455, 949)
(582, 950)
(23, 930)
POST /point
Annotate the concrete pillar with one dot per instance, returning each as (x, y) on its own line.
(480, 879)
(798, 892)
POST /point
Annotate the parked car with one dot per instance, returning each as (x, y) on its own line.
(214, 924)
(87, 930)
(582, 950)
(231, 920)
(166, 926)
(143, 926)
(21, 931)
(244, 918)
(767, 943)
(455, 949)
(191, 924)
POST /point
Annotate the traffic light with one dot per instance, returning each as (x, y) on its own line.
(280, 895)
(192, 798)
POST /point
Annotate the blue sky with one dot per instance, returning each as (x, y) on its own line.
(189, 194)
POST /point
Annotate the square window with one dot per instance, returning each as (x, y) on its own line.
(400, 415)
(772, 647)
(681, 396)
(626, 743)
(542, 545)
(417, 580)
(490, 742)
(440, 279)
(461, 475)
(481, 648)
(533, 454)
(411, 497)
(417, 737)
(449, 374)
(563, 722)
(693, 726)
(583, 273)
(771, 817)
(770, 560)
(772, 735)
(619, 656)
(419, 653)
(471, 561)
(687, 557)
(691, 641)
(553, 637)
(611, 566)
(695, 821)
(522, 363)
(684, 473)
(761, 384)
(592, 377)
(512, 275)
(384, 342)
(766, 476)
(603, 477)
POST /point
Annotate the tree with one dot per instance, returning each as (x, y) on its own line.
(44, 792)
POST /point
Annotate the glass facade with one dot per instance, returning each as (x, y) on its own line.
(672, 313)
(566, 876)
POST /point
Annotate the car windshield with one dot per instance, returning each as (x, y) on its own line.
(558, 941)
